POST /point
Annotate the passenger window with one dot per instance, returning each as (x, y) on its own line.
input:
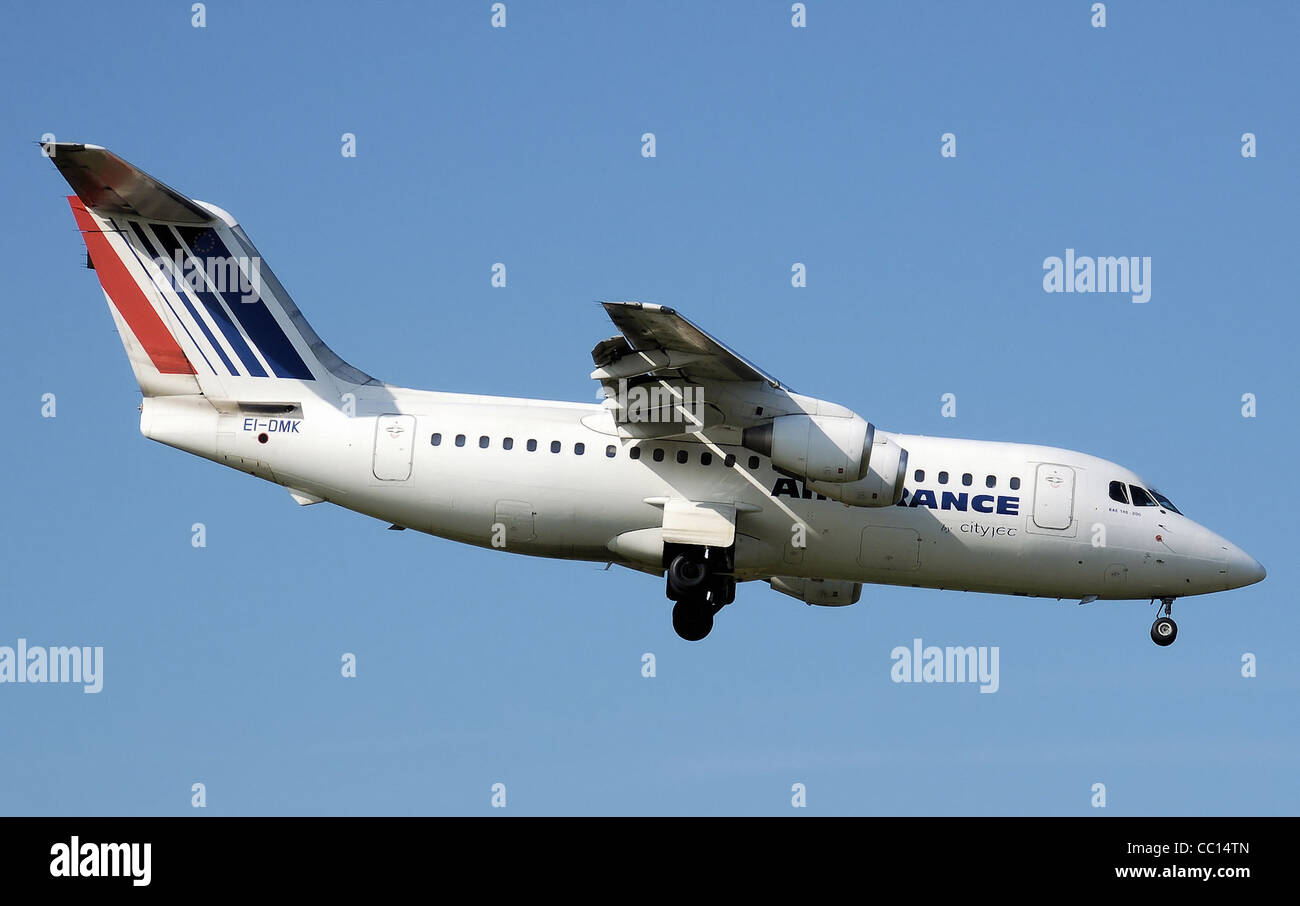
(579, 449)
(919, 474)
(706, 458)
(483, 442)
(610, 451)
(532, 446)
(753, 462)
(508, 443)
(682, 456)
(1141, 497)
(658, 454)
(943, 478)
(966, 479)
(990, 482)
(437, 439)
(460, 440)
(634, 453)
(555, 446)
(729, 460)
(1118, 493)
(1015, 484)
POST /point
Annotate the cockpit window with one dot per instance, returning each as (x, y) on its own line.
(1165, 501)
(1118, 492)
(1141, 497)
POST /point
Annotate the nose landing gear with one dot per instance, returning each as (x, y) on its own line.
(1164, 630)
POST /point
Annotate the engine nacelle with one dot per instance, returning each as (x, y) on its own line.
(883, 484)
(823, 592)
(830, 448)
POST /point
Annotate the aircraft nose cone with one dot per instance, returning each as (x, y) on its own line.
(1243, 569)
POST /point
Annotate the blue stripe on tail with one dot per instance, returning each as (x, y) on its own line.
(213, 307)
(257, 320)
(142, 236)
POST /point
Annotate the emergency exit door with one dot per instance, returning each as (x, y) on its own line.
(394, 441)
(1054, 496)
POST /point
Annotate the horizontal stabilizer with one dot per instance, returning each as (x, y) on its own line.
(104, 181)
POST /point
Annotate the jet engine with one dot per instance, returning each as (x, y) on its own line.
(883, 484)
(823, 448)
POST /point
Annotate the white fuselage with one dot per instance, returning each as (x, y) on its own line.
(697, 466)
(1031, 521)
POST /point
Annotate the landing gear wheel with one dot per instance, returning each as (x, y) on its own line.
(1163, 631)
(686, 576)
(722, 591)
(692, 619)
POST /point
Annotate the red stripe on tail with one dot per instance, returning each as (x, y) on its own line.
(126, 295)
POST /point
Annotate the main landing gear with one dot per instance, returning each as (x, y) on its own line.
(699, 581)
(1164, 630)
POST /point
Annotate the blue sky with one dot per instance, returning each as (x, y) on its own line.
(775, 145)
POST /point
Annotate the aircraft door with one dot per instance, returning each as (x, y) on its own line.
(394, 443)
(515, 519)
(884, 547)
(1054, 496)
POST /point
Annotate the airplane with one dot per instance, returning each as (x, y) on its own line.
(697, 467)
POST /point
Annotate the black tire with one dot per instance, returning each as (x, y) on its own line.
(1163, 631)
(692, 620)
(723, 591)
(686, 575)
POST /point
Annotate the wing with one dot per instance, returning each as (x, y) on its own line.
(658, 342)
(664, 377)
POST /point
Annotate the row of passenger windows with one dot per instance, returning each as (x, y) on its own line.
(682, 456)
(967, 479)
(1119, 492)
(657, 453)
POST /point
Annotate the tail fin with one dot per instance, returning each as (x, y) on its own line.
(197, 308)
